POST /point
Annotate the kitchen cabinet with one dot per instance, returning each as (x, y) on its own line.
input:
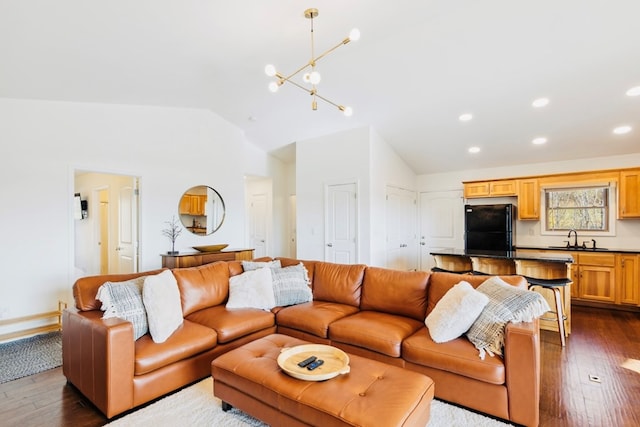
(629, 194)
(192, 204)
(497, 188)
(529, 199)
(594, 276)
(628, 279)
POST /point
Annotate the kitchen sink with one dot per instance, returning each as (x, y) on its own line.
(578, 248)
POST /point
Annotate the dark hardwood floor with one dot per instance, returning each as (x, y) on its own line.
(603, 343)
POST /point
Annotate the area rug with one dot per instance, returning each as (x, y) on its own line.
(29, 356)
(196, 406)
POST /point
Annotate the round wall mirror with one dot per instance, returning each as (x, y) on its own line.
(201, 210)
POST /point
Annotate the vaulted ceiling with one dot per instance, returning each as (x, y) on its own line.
(418, 66)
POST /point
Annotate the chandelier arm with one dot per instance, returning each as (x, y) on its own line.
(329, 102)
(345, 41)
(309, 91)
(296, 72)
(314, 93)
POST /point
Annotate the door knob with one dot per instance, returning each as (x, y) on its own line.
(330, 245)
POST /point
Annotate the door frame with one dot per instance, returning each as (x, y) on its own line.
(73, 274)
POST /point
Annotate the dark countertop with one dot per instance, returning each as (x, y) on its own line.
(588, 250)
(513, 255)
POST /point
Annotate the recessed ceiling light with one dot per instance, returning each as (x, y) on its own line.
(540, 102)
(474, 149)
(465, 117)
(621, 130)
(539, 140)
(634, 91)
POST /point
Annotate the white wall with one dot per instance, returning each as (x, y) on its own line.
(43, 143)
(387, 168)
(528, 232)
(358, 155)
(338, 158)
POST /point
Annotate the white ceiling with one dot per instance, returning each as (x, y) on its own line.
(418, 66)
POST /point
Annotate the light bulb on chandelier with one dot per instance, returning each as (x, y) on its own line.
(312, 77)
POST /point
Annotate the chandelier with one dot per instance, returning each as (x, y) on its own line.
(311, 76)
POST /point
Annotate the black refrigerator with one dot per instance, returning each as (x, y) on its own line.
(489, 227)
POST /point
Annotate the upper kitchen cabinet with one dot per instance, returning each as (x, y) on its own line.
(499, 188)
(529, 199)
(629, 194)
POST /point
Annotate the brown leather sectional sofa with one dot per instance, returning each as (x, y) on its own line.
(367, 311)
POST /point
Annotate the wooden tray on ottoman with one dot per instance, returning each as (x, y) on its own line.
(336, 362)
(372, 393)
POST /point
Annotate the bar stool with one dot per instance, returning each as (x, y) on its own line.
(554, 285)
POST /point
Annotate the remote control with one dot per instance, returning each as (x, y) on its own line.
(307, 361)
(314, 365)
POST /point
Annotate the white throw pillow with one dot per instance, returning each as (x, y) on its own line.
(161, 298)
(456, 311)
(252, 289)
(124, 300)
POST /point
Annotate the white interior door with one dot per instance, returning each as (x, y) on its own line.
(341, 235)
(402, 252)
(293, 238)
(258, 224)
(441, 224)
(126, 251)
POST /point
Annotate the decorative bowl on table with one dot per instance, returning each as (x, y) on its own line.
(210, 248)
(336, 362)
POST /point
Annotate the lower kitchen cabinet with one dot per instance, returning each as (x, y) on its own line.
(629, 279)
(595, 276)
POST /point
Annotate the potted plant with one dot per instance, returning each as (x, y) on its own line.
(172, 232)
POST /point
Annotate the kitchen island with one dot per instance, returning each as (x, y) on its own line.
(533, 265)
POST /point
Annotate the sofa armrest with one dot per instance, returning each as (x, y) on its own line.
(98, 358)
(522, 364)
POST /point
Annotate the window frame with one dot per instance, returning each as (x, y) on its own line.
(612, 210)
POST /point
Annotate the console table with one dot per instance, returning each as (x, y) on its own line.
(193, 259)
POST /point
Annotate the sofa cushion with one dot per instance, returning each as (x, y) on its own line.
(339, 283)
(188, 340)
(253, 288)
(458, 356)
(380, 332)
(203, 286)
(455, 312)
(313, 317)
(231, 324)
(395, 292)
(124, 300)
(162, 301)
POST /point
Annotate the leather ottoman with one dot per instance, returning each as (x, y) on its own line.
(371, 394)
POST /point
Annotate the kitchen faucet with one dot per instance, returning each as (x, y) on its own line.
(575, 237)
